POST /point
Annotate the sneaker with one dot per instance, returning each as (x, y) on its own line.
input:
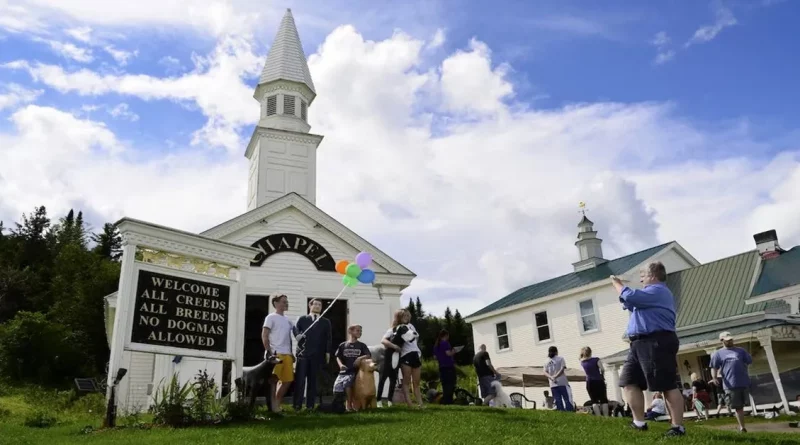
(638, 428)
(676, 431)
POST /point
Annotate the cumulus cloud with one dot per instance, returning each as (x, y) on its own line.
(13, 94)
(443, 168)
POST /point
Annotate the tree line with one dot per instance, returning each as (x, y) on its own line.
(429, 327)
(52, 285)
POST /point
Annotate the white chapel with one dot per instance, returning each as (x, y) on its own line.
(298, 244)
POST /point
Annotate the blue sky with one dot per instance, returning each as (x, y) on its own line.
(648, 111)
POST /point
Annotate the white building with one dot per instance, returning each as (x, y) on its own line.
(574, 310)
(754, 295)
(299, 242)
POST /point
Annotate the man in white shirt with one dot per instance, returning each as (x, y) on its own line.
(277, 338)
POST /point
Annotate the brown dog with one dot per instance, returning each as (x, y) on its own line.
(364, 394)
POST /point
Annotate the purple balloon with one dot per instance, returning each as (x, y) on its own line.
(363, 259)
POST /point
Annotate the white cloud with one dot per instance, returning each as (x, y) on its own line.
(227, 108)
(121, 56)
(171, 65)
(470, 84)
(438, 167)
(68, 50)
(81, 34)
(707, 33)
(437, 40)
(13, 94)
(123, 111)
(661, 41)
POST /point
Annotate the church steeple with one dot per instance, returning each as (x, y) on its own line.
(282, 152)
(589, 245)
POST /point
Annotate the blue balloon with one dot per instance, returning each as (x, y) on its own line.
(366, 276)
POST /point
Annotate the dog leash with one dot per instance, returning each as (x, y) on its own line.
(303, 334)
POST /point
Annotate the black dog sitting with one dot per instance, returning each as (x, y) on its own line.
(255, 377)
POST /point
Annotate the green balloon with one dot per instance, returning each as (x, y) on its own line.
(352, 270)
(349, 281)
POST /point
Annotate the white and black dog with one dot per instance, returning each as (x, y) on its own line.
(388, 360)
(501, 399)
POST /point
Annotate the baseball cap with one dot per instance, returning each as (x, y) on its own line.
(725, 336)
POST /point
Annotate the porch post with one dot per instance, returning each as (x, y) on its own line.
(614, 370)
(766, 343)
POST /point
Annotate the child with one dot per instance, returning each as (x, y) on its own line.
(349, 355)
(657, 409)
(549, 402)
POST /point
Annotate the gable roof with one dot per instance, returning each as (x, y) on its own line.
(715, 290)
(778, 273)
(573, 280)
(286, 59)
(313, 212)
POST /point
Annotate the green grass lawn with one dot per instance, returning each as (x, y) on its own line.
(432, 425)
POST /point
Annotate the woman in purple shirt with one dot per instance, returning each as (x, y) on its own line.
(595, 382)
(447, 366)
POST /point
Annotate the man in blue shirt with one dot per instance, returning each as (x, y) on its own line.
(652, 361)
(733, 361)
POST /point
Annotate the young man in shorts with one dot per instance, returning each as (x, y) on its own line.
(733, 362)
(277, 337)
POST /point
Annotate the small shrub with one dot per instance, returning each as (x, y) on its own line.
(40, 419)
(4, 413)
(171, 407)
(203, 407)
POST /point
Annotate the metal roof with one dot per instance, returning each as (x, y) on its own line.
(779, 272)
(572, 280)
(286, 59)
(715, 290)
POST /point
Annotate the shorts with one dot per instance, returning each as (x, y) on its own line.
(737, 397)
(723, 399)
(285, 369)
(485, 384)
(411, 359)
(597, 391)
(652, 362)
(343, 381)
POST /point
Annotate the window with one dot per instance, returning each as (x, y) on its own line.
(272, 105)
(502, 336)
(588, 316)
(303, 110)
(288, 104)
(542, 326)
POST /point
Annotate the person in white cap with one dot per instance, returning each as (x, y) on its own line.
(733, 362)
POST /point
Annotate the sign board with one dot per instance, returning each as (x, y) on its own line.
(290, 242)
(177, 312)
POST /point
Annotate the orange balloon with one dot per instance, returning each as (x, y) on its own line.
(341, 266)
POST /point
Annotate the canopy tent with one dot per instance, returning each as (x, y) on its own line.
(534, 376)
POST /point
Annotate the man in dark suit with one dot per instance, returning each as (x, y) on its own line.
(313, 350)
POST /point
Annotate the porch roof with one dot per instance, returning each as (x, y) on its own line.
(708, 336)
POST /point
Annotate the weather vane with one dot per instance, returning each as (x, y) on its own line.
(583, 209)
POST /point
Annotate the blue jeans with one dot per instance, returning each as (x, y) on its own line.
(561, 396)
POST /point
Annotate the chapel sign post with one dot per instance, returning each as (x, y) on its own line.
(188, 303)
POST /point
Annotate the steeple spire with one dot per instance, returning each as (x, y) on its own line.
(286, 59)
(589, 245)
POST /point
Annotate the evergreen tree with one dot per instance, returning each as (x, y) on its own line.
(448, 319)
(419, 311)
(412, 310)
(108, 242)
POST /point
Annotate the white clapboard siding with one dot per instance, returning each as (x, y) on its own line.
(565, 329)
(139, 378)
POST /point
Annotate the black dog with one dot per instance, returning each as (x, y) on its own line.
(255, 377)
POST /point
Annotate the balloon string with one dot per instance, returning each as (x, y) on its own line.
(299, 349)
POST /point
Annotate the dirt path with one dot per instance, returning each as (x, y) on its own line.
(763, 427)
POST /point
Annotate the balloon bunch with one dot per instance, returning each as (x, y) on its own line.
(357, 272)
